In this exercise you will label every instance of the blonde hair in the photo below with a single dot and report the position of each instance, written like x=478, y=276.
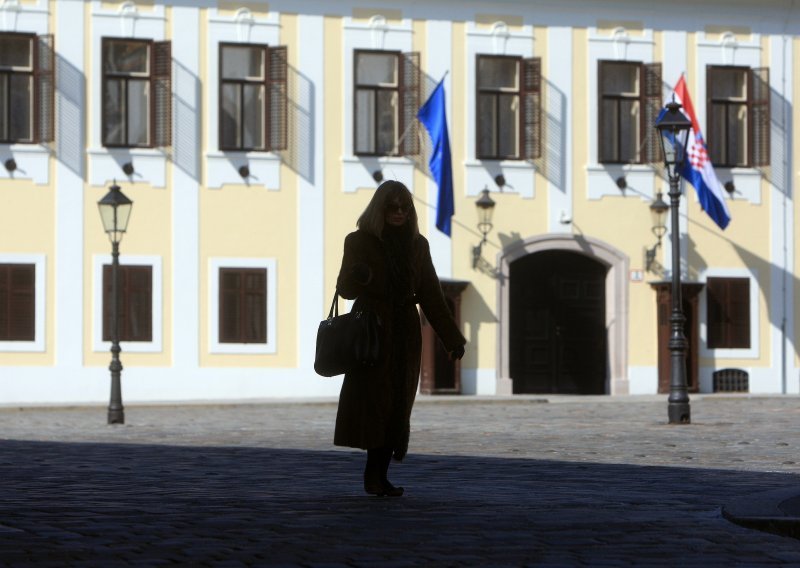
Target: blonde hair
x=372, y=219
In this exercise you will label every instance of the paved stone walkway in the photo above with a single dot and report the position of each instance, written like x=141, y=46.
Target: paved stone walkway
x=596, y=481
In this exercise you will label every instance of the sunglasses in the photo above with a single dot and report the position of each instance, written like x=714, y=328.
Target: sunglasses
x=403, y=208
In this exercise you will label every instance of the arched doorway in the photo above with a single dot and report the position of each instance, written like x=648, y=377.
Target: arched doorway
x=615, y=306
x=557, y=324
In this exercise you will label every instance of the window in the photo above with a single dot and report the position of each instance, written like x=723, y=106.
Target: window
x=253, y=97
x=137, y=93
x=27, y=88
x=508, y=108
x=386, y=101
x=738, y=116
x=728, y=314
x=17, y=302
x=135, y=303
x=630, y=100
x=242, y=305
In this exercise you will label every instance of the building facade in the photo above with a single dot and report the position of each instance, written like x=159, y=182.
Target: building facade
x=250, y=136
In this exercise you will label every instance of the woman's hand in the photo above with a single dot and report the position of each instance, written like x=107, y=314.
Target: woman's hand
x=457, y=353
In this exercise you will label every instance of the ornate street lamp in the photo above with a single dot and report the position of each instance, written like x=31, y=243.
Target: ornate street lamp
x=674, y=128
x=485, y=205
x=115, y=210
x=658, y=214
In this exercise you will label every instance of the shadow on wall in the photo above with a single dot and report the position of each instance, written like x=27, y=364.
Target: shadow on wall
x=301, y=120
x=70, y=143
x=186, y=143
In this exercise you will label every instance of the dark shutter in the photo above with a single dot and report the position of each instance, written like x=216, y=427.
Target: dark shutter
x=44, y=89
x=278, y=97
x=242, y=305
x=759, y=113
x=135, y=303
x=728, y=313
x=410, y=101
x=17, y=302
x=162, y=93
x=605, y=151
x=652, y=101
x=531, y=112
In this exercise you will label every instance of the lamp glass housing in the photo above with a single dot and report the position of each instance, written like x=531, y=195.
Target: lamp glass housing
x=658, y=215
x=673, y=126
x=115, y=211
x=485, y=205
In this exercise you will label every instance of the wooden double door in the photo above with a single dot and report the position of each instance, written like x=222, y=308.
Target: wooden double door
x=558, y=339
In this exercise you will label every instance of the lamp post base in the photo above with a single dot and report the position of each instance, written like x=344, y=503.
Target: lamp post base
x=116, y=416
x=679, y=413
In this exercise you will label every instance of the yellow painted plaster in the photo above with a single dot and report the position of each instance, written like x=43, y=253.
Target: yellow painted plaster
x=365, y=14
x=485, y=21
x=148, y=5
x=715, y=33
x=30, y=233
x=607, y=27
x=230, y=7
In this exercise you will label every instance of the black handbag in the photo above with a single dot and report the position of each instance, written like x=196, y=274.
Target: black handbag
x=347, y=342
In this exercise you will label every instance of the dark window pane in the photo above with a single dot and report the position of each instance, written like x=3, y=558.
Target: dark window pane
x=114, y=112
x=387, y=121
x=17, y=302
x=138, y=112
x=16, y=52
x=135, y=303
x=253, y=116
x=126, y=57
x=508, y=125
x=487, y=131
x=229, y=115
x=21, y=123
x=242, y=62
x=728, y=313
x=242, y=305
x=376, y=69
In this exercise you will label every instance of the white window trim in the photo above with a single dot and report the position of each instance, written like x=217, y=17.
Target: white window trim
x=754, y=352
x=727, y=50
x=104, y=163
x=380, y=34
x=38, y=344
x=617, y=46
x=154, y=346
x=214, y=345
x=243, y=27
x=497, y=40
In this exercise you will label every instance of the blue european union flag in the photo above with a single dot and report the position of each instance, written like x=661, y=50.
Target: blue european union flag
x=432, y=115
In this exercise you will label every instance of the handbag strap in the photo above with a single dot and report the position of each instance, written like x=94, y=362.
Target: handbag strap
x=334, y=306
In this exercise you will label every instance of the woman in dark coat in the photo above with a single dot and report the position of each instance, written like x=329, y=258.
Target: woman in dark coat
x=387, y=268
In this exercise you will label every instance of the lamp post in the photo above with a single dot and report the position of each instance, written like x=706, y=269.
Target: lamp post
x=485, y=205
x=674, y=129
x=115, y=210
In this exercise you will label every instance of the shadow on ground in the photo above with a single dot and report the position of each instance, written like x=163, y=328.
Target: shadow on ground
x=78, y=503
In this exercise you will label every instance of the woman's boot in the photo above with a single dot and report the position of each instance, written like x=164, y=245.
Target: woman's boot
x=385, y=459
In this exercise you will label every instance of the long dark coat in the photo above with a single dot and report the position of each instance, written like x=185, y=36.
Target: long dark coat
x=374, y=410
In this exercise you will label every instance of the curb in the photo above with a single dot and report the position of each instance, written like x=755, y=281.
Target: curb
x=776, y=511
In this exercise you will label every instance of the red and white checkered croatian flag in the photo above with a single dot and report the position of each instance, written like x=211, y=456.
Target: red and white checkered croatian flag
x=697, y=168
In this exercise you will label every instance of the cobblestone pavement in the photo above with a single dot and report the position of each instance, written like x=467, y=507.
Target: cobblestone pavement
x=598, y=481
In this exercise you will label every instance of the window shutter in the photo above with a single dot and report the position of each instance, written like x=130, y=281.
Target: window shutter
x=739, y=313
x=139, y=303
x=759, y=112
x=17, y=302
x=605, y=152
x=278, y=97
x=242, y=305
x=652, y=102
x=255, y=306
x=531, y=112
x=410, y=95
x=135, y=303
x=162, y=93
x=44, y=89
